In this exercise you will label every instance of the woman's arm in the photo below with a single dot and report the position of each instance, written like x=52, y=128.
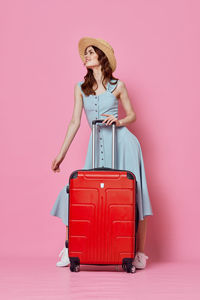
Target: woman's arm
x=126, y=103
x=122, y=94
x=74, y=123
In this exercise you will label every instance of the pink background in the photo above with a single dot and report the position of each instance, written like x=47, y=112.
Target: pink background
x=157, y=49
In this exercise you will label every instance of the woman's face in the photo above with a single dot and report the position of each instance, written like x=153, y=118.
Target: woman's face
x=91, y=58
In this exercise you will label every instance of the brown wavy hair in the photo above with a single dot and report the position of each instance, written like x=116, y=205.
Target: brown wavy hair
x=106, y=70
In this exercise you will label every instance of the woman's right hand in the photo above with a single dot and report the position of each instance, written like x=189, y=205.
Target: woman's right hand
x=56, y=163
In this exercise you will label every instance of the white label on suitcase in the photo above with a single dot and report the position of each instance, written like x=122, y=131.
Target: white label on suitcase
x=102, y=185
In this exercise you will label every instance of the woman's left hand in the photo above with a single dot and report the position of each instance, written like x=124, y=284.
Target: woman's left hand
x=110, y=119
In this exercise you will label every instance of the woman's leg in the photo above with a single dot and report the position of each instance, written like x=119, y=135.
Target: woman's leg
x=141, y=235
x=66, y=240
x=66, y=233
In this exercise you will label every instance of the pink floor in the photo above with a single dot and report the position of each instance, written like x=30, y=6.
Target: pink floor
x=41, y=279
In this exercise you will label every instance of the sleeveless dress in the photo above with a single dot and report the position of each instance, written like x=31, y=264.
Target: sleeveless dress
x=127, y=148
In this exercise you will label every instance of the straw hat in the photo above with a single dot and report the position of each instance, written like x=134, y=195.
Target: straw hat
x=101, y=44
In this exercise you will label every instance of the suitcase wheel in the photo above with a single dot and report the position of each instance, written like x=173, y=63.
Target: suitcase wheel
x=74, y=264
x=128, y=266
x=74, y=268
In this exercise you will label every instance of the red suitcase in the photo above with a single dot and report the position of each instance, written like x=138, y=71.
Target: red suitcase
x=103, y=215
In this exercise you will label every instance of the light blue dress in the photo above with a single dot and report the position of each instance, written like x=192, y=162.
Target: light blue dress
x=128, y=151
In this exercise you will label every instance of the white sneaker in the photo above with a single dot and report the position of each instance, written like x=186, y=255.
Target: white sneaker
x=140, y=260
x=64, y=261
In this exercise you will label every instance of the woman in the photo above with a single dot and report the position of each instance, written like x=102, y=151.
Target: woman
x=99, y=95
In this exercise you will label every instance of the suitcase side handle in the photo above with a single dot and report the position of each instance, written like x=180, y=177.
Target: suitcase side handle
x=94, y=122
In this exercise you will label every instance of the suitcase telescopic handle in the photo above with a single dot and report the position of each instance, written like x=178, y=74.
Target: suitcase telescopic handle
x=94, y=122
